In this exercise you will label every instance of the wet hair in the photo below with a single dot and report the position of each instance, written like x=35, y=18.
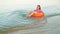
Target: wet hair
x=39, y=6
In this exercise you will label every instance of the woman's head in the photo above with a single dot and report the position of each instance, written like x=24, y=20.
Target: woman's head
x=38, y=7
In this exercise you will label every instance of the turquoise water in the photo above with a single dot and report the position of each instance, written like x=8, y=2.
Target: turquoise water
x=51, y=10
x=18, y=17
x=52, y=27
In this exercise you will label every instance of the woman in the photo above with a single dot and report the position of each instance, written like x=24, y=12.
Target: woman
x=38, y=13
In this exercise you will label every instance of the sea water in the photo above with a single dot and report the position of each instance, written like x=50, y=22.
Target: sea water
x=18, y=18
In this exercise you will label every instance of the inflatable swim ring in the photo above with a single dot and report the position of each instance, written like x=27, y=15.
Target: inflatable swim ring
x=38, y=15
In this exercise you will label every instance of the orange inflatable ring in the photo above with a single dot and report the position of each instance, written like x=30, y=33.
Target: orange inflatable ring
x=38, y=15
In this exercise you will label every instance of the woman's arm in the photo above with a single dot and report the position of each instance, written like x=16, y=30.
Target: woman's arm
x=30, y=13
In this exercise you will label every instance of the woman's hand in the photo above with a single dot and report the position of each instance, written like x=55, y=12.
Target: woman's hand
x=30, y=13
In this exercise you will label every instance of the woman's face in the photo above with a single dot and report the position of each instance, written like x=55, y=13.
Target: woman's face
x=38, y=7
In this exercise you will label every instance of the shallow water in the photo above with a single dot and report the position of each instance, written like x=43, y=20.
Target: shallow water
x=52, y=27
x=18, y=18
